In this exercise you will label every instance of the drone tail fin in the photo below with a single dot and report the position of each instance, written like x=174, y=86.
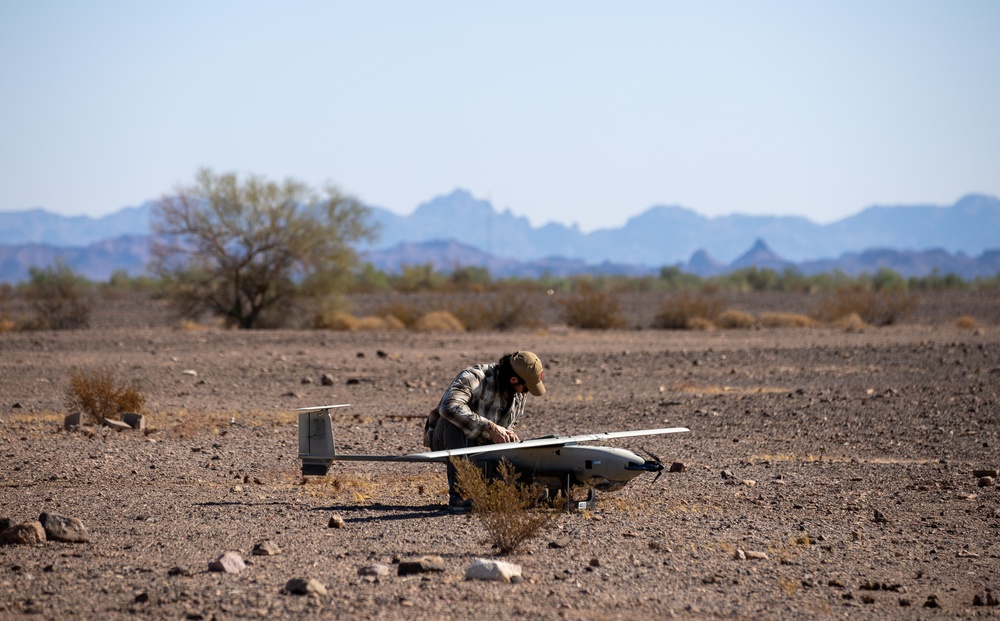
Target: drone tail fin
x=316, y=449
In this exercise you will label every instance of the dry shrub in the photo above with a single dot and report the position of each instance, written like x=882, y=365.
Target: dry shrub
x=850, y=323
x=501, y=312
x=96, y=395
x=734, y=319
x=7, y=325
x=786, y=320
x=438, y=321
x=589, y=309
x=408, y=314
x=677, y=312
x=967, y=322
x=503, y=505
x=878, y=308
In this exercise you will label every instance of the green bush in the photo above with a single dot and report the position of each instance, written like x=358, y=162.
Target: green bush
x=58, y=298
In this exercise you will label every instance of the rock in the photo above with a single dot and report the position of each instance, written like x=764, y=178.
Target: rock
x=986, y=473
x=336, y=521
x=932, y=602
x=485, y=569
x=753, y=555
x=230, y=563
x=5, y=523
x=595, y=562
x=377, y=570
x=61, y=528
x=72, y=421
x=728, y=475
x=740, y=555
x=178, y=571
x=879, y=517
x=421, y=565
x=134, y=420
x=985, y=599
x=326, y=379
x=382, y=354
x=677, y=467
x=116, y=424
x=305, y=586
x=190, y=372
x=27, y=534
x=559, y=543
x=306, y=380
x=266, y=548
x=749, y=482
x=986, y=481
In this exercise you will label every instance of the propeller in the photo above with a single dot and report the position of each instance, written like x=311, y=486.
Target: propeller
x=655, y=464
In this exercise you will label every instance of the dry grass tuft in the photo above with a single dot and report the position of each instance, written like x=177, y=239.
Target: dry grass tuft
x=502, y=312
x=786, y=320
x=700, y=323
x=438, y=321
x=96, y=395
x=967, y=322
x=407, y=314
x=679, y=311
x=374, y=323
x=850, y=323
x=734, y=319
x=339, y=320
x=502, y=506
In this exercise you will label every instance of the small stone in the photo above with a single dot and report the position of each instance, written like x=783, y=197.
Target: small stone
x=336, y=521
x=985, y=599
x=306, y=380
x=728, y=475
x=879, y=517
x=142, y=598
x=116, y=424
x=753, y=555
x=932, y=602
x=377, y=570
x=178, y=571
x=595, y=562
x=677, y=467
x=326, y=379
x=559, y=543
x=60, y=528
x=266, y=548
x=190, y=372
x=72, y=421
x=230, y=563
x=305, y=586
x=986, y=473
x=27, y=534
x=499, y=571
x=134, y=420
x=986, y=481
x=749, y=482
x=740, y=555
x=381, y=354
x=421, y=565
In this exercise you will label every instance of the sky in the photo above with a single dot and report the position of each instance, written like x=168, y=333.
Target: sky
x=582, y=113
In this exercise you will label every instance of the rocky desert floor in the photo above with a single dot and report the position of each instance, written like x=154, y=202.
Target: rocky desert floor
x=842, y=465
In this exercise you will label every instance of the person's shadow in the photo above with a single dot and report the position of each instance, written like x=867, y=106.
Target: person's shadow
x=377, y=512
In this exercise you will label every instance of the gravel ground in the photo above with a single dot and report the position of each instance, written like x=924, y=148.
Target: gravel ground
x=851, y=458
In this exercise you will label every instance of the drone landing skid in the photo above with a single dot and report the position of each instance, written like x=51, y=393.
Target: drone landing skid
x=588, y=504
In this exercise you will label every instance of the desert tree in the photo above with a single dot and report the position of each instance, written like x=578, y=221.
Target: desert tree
x=58, y=297
x=239, y=248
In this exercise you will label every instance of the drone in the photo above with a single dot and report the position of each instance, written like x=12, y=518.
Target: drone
x=556, y=462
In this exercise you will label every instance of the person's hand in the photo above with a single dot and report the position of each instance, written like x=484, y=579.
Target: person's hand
x=501, y=435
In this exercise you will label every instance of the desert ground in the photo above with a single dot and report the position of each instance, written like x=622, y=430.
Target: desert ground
x=840, y=463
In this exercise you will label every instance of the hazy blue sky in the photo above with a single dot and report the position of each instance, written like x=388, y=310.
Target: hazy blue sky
x=575, y=112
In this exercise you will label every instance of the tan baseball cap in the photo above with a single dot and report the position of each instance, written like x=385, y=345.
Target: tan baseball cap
x=529, y=368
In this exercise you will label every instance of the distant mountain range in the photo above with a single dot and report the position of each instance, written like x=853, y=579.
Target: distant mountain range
x=458, y=229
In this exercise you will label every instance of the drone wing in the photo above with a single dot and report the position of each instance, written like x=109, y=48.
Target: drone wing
x=545, y=441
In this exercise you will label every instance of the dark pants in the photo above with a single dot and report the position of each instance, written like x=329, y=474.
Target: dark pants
x=447, y=436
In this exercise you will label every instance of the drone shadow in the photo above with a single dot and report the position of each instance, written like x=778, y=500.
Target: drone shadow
x=378, y=512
